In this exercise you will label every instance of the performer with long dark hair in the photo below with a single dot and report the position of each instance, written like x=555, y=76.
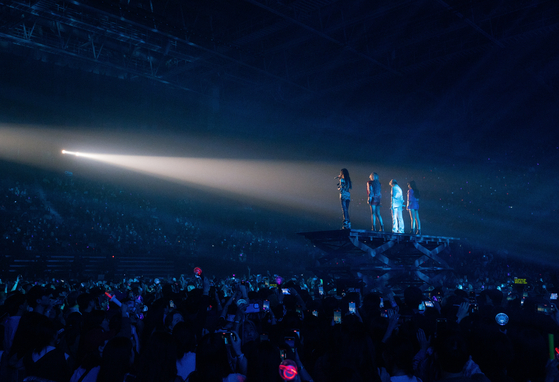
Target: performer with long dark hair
x=344, y=185
x=413, y=207
x=374, y=194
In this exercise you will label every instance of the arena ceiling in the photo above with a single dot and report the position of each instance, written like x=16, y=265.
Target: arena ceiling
x=292, y=50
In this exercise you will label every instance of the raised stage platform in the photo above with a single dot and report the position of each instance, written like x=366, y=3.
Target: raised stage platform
x=392, y=258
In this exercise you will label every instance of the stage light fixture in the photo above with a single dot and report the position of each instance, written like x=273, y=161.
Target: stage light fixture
x=71, y=153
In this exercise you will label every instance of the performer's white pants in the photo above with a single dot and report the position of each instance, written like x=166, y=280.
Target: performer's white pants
x=397, y=220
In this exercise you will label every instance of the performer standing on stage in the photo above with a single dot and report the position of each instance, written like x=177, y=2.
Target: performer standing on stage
x=397, y=205
x=413, y=207
x=344, y=186
x=374, y=195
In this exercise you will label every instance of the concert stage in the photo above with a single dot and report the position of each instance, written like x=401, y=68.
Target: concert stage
x=395, y=259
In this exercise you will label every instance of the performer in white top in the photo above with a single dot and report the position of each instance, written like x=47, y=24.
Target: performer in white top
x=397, y=206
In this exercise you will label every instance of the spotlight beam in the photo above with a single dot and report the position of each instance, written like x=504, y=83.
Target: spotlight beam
x=275, y=183
x=78, y=154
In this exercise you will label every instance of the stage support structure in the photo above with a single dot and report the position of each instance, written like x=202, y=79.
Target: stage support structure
x=394, y=259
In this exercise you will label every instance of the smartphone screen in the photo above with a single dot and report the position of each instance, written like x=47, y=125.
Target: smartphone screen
x=352, y=307
x=315, y=313
x=541, y=308
x=266, y=305
x=553, y=296
x=337, y=317
x=381, y=305
x=226, y=338
x=285, y=291
x=429, y=304
x=321, y=290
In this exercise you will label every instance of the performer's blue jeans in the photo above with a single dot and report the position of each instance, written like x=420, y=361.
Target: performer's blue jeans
x=345, y=210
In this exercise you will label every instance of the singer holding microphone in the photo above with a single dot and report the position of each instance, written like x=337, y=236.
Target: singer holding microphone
x=344, y=185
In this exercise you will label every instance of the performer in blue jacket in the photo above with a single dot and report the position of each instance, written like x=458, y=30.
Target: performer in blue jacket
x=373, y=199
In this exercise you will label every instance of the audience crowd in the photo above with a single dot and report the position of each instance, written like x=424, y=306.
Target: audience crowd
x=68, y=215
x=268, y=328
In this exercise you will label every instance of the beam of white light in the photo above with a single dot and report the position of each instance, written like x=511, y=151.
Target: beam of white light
x=280, y=185
x=305, y=189
x=78, y=154
x=299, y=185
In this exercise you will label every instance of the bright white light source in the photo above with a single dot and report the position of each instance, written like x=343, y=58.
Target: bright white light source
x=74, y=153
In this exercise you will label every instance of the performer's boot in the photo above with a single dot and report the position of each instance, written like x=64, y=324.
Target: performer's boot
x=418, y=232
x=382, y=228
